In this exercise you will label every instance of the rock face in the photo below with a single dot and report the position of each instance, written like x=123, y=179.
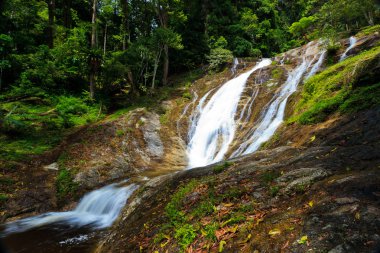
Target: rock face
x=321, y=198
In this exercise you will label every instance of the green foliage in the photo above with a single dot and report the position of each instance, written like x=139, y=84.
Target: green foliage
x=269, y=176
x=3, y=197
x=346, y=86
x=172, y=209
x=221, y=167
x=273, y=190
x=185, y=235
x=301, y=27
x=219, y=57
x=65, y=185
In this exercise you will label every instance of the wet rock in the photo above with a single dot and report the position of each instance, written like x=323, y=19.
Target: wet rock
x=301, y=178
x=346, y=200
x=151, y=128
x=89, y=178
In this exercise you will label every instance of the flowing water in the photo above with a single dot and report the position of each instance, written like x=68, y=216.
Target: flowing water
x=353, y=41
x=97, y=210
x=213, y=126
x=213, y=131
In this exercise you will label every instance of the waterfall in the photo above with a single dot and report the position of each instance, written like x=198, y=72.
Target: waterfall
x=213, y=125
x=353, y=41
x=274, y=112
x=235, y=65
x=99, y=209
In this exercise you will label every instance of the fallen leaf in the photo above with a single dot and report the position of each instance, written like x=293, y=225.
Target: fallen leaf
x=357, y=215
x=303, y=240
x=221, y=245
x=311, y=203
x=312, y=138
x=274, y=232
x=228, y=204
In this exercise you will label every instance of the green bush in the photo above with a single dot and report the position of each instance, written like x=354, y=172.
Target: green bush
x=219, y=57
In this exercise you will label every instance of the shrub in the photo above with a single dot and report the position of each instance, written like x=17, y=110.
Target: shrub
x=219, y=57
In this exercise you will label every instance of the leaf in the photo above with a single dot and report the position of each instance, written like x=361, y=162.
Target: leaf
x=303, y=240
x=221, y=245
x=357, y=215
x=228, y=204
x=274, y=232
x=311, y=203
x=233, y=229
x=312, y=138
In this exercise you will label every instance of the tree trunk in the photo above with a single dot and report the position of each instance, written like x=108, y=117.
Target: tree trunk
x=105, y=41
x=51, y=9
x=1, y=77
x=93, y=46
x=67, y=13
x=156, y=62
x=166, y=65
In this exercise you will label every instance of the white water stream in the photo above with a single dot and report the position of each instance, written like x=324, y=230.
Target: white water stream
x=353, y=41
x=213, y=129
x=213, y=125
x=99, y=209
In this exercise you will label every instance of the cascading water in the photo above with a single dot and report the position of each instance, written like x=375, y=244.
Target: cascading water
x=273, y=114
x=213, y=126
x=98, y=209
x=353, y=41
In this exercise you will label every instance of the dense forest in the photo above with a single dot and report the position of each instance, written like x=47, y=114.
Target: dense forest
x=108, y=48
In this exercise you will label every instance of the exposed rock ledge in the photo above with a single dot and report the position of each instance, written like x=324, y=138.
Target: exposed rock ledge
x=328, y=193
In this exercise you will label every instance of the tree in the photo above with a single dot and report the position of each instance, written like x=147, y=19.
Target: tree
x=163, y=38
x=5, y=46
x=94, y=60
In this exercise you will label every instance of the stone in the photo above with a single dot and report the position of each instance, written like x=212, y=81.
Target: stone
x=346, y=200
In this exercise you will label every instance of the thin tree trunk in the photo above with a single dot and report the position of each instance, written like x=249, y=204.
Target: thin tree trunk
x=156, y=62
x=93, y=46
x=105, y=40
x=166, y=65
x=51, y=9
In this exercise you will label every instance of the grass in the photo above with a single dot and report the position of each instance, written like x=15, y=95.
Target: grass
x=221, y=167
x=33, y=125
x=65, y=184
x=344, y=87
x=368, y=30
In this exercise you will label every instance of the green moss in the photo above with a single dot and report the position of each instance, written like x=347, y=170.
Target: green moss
x=277, y=73
x=221, y=167
x=187, y=95
x=173, y=208
x=273, y=190
x=65, y=184
x=3, y=197
x=120, y=132
x=368, y=30
x=269, y=176
x=338, y=89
